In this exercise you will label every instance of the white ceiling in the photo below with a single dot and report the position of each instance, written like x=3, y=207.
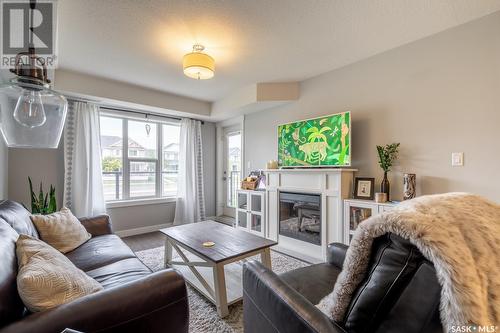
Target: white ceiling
x=143, y=41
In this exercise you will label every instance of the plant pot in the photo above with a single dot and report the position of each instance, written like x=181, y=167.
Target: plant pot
x=385, y=187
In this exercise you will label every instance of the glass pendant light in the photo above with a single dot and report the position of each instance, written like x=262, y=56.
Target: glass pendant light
x=31, y=114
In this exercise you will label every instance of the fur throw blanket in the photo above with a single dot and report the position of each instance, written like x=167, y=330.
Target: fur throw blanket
x=459, y=233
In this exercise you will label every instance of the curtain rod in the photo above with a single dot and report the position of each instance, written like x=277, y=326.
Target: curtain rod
x=140, y=112
x=130, y=111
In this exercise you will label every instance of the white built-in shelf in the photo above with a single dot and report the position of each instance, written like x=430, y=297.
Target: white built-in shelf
x=372, y=202
x=356, y=211
x=250, y=211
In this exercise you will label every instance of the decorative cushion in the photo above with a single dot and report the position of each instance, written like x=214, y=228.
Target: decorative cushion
x=46, y=278
x=61, y=230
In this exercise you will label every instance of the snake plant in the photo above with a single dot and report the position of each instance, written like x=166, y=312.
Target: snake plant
x=43, y=203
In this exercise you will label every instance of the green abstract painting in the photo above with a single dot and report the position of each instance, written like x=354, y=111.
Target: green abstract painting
x=322, y=141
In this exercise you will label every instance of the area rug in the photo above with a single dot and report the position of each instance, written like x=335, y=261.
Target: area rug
x=202, y=313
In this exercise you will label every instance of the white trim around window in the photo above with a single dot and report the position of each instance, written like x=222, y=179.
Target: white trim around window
x=139, y=202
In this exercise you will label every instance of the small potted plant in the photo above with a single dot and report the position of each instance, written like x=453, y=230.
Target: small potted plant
x=44, y=203
x=387, y=155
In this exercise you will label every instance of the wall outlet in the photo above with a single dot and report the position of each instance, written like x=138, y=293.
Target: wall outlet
x=457, y=159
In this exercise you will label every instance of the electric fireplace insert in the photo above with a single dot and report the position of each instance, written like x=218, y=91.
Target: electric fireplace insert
x=300, y=216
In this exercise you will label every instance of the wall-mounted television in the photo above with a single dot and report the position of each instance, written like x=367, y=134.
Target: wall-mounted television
x=318, y=142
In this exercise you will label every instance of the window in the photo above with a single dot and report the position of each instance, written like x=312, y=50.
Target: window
x=149, y=167
x=170, y=158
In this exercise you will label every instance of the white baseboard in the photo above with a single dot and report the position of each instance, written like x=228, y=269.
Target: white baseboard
x=142, y=230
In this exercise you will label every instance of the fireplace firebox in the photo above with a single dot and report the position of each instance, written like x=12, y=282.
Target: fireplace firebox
x=300, y=216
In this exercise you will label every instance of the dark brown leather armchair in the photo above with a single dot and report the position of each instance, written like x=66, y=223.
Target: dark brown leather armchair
x=399, y=294
x=133, y=300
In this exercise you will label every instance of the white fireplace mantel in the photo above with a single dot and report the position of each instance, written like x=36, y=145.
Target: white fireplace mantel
x=334, y=185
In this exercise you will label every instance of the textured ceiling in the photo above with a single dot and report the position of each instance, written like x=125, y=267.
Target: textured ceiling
x=143, y=41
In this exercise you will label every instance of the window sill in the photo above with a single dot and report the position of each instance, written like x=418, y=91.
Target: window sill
x=139, y=202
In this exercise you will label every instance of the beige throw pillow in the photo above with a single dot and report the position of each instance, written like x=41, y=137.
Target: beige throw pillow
x=61, y=230
x=46, y=278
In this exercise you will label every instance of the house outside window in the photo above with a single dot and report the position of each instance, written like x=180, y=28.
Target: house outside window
x=149, y=166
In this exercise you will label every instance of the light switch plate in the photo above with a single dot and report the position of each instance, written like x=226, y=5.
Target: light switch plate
x=457, y=159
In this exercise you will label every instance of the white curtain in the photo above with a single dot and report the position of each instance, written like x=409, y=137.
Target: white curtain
x=83, y=189
x=190, y=205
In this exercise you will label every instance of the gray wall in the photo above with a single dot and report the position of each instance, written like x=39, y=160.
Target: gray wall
x=47, y=165
x=435, y=96
x=209, y=165
x=42, y=165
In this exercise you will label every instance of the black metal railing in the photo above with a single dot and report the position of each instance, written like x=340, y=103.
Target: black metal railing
x=114, y=179
x=234, y=184
x=117, y=175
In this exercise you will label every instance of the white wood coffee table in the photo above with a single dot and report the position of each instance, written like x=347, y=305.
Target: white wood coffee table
x=214, y=271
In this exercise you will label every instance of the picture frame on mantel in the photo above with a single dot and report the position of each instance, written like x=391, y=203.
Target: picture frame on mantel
x=364, y=188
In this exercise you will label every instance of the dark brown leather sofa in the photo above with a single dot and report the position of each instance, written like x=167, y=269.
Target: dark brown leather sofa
x=133, y=300
x=399, y=294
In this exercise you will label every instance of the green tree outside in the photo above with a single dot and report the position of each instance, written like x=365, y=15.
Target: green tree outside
x=110, y=164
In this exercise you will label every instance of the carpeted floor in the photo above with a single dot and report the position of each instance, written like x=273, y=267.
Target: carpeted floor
x=202, y=313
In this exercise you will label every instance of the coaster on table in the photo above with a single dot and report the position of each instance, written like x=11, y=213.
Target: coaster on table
x=208, y=244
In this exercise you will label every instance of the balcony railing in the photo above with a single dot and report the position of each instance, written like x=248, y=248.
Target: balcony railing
x=233, y=185
x=139, y=186
x=110, y=177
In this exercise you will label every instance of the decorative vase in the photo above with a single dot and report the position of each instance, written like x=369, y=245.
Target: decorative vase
x=385, y=187
x=409, y=185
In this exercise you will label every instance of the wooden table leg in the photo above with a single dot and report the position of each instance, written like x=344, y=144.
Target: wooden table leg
x=265, y=257
x=168, y=253
x=220, y=290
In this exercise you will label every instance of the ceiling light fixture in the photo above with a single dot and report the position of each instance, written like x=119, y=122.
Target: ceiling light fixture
x=38, y=115
x=198, y=65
